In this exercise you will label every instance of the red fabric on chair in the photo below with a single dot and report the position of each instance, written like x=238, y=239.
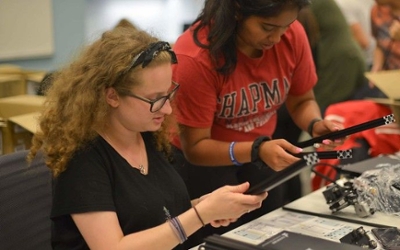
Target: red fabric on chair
x=382, y=140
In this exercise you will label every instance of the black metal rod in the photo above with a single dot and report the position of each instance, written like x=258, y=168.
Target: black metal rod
x=336, y=154
x=348, y=131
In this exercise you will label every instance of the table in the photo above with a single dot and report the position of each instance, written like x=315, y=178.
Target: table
x=272, y=223
x=310, y=215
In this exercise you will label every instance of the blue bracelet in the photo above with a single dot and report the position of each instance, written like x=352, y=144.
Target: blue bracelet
x=178, y=226
x=232, y=156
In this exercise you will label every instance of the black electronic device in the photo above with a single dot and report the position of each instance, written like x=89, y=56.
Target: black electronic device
x=283, y=175
x=290, y=240
x=359, y=237
x=307, y=159
x=389, y=237
x=281, y=241
x=218, y=242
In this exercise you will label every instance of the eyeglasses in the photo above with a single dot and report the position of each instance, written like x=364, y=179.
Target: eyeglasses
x=158, y=103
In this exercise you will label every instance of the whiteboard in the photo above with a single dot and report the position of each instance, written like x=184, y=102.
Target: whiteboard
x=26, y=29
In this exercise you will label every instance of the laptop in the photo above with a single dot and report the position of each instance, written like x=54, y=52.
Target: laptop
x=356, y=169
x=289, y=240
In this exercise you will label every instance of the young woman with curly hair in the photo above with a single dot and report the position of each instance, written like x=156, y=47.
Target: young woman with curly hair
x=104, y=134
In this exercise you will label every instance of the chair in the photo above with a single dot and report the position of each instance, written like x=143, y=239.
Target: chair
x=25, y=203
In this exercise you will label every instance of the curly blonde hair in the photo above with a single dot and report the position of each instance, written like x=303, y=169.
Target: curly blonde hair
x=75, y=107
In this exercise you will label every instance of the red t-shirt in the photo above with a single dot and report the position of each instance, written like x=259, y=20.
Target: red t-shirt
x=243, y=106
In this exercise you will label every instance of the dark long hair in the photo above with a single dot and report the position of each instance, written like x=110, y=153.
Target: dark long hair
x=221, y=17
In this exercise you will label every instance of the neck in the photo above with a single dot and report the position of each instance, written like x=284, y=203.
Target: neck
x=132, y=150
x=247, y=50
x=123, y=144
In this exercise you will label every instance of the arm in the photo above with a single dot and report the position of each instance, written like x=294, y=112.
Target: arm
x=101, y=230
x=379, y=59
x=200, y=149
x=303, y=109
x=377, y=63
x=359, y=35
x=394, y=30
x=379, y=56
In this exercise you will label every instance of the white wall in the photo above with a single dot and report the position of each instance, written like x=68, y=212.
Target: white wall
x=26, y=29
x=77, y=22
x=68, y=34
x=162, y=18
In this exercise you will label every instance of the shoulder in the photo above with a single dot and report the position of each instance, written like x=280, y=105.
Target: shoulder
x=186, y=48
x=185, y=43
x=94, y=156
x=295, y=35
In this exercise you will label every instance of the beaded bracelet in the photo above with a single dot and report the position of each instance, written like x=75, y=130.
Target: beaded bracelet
x=232, y=156
x=198, y=216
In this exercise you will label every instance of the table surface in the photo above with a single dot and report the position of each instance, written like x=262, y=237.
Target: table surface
x=310, y=215
x=264, y=227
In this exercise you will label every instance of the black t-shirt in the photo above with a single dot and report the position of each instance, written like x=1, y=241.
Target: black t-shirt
x=97, y=178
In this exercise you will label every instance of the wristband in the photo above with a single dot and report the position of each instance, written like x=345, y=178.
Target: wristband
x=311, y=125
x=178, y=229
x=232, y=156
x=255, y=150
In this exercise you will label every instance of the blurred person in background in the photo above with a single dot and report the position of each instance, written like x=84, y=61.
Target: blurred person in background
x=385, y=21
x=358, y=17
x=338, y=58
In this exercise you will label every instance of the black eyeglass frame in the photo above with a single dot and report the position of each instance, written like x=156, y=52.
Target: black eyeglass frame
x=152, y=102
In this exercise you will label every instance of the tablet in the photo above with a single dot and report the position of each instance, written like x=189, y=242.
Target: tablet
x=284, y=175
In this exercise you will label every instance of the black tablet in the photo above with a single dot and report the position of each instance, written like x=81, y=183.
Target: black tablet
x=284, y=175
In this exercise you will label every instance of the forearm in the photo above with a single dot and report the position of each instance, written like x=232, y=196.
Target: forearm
x=209, y=152
x=304, y=112
x=378, y=60
x=163, y=236
x=359, y=35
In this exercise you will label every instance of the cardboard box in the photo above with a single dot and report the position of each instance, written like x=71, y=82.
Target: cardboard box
x=11, y=85
x=389, y=83
x=18, y=116
x=14, y=69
